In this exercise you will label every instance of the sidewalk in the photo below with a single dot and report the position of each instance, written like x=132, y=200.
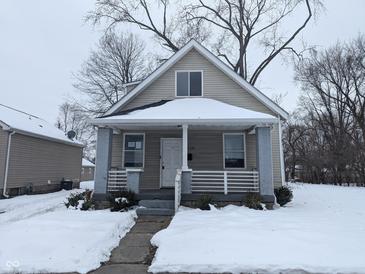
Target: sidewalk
x=135, y=253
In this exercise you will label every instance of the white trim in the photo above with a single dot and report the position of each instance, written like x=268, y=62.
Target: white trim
x=188, y=71
x=217, y=62
x=282, y=164
x=244, y=150
x=185, y=147
x=174, y=122
x=144, y=148
x=7, y=164
x=161, y=156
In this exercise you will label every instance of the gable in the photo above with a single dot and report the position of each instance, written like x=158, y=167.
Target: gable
x=213, y=60
x=216, y=85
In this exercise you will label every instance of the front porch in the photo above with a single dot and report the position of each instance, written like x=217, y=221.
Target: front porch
x=181, y=158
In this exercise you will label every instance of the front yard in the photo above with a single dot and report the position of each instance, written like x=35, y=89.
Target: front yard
x=38, y=234
x=322, y=230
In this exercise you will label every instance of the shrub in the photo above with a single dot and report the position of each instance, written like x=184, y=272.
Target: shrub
x=122, y=200
x=83, y=198
x=253, y=200
x=283, y=195
x=74, y=199
x=204, y=202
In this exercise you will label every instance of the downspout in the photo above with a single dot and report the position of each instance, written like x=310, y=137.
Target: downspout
x=7, y=165
x=281, y=154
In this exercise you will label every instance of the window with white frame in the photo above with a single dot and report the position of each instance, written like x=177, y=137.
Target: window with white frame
x=133, y=150
x=234, y=150
x=189, y=83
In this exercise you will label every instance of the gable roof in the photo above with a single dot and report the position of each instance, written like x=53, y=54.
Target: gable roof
x=28, y=124
x=213, y=59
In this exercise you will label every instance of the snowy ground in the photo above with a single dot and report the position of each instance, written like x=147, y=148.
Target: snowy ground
x=322, y=230
x=38, y=234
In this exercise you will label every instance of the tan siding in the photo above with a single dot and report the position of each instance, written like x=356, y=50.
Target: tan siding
x=35, y=161
x=117, y=146
x=3, y=149
x=216, y=85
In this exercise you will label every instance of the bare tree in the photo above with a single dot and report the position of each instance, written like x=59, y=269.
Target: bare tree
x=119, y=59
x=247, y=23
x=168, y=27
x=334, y=100
x=237, y=25
x=72, y=117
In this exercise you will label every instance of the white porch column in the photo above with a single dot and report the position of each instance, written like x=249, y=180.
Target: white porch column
x=185, y=148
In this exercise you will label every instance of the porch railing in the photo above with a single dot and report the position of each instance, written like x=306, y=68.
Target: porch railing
x=225, y=181
x=117, y=180
x=177, y=189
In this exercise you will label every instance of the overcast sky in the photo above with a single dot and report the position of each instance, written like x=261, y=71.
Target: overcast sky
x=42, y=42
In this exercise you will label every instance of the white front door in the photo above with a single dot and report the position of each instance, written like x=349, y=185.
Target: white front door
x=171, y=160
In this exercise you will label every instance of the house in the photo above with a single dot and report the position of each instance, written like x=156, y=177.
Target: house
x=192, y=127
x=87, y=170
x=35, y=156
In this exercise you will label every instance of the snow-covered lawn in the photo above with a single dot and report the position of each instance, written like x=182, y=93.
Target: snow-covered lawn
x=38, y=234
x=322, y=230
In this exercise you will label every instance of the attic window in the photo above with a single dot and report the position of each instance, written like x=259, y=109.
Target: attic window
x=189, y=83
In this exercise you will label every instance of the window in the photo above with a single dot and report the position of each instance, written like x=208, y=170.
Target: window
x=234, y=150
x=189, y=83
x=133, y=150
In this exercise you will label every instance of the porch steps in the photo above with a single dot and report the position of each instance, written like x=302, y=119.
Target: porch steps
x=156, y=207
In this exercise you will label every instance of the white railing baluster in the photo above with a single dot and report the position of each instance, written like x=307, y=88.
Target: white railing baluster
x=225, y=181
x=117, y=180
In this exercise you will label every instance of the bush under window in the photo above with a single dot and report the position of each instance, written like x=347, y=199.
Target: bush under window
x=283, y=195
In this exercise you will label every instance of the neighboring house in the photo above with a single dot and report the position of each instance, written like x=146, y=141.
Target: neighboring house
x=35, y=156
x=87, y=170
x=194, y=117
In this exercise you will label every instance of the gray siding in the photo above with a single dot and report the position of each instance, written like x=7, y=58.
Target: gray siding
x=216, y=85
x=3, y=150
x=206, y=148
x=37, y=161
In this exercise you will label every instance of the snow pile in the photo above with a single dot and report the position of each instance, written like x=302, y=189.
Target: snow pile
x=322, y=230
x=18, y=120
x=198, y=108
x=55, y=239
x=87, y=185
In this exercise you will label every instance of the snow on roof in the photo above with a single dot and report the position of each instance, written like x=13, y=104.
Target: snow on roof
x=190, y=109
x=26, y=123
x=87, y=163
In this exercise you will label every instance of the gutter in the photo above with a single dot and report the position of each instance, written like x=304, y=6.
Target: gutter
x=7, y=165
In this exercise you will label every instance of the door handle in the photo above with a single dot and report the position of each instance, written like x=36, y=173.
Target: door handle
x=163, y=167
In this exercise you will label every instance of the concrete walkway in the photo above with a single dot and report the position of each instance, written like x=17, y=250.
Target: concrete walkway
x=135, y=253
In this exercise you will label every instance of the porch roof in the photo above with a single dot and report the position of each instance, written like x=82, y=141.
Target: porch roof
x=188, y=111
